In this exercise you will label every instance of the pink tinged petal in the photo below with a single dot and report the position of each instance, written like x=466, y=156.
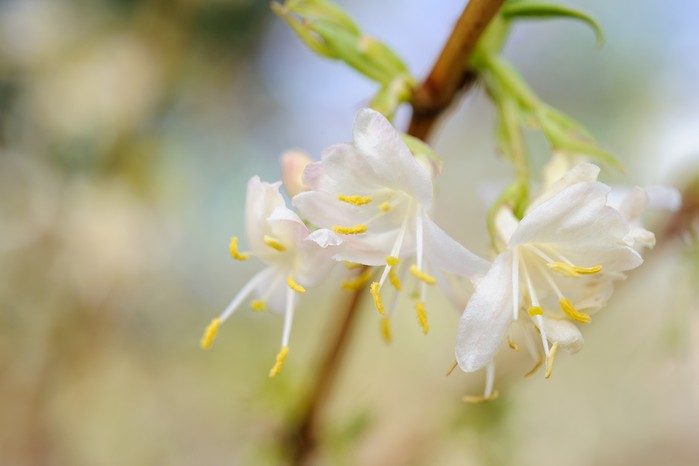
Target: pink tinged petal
x=564, y=332
x=287, y=227
x=323, y=210
x=444, y=253
x=371, y=250
x=315, y=257
x=293, y=164
x=487, y=316
x=382, y=147
x=581, y=173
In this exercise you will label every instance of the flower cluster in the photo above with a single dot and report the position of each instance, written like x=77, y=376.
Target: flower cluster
x=367, y=203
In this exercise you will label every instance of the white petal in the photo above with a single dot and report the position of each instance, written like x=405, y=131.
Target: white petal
x=390, y=158
x=565, y=333
x=582, y=173
x=487, y=316
x=262, y=198
x=663, y=198
x=444, y=253
x=578, y=215
x=505, y=224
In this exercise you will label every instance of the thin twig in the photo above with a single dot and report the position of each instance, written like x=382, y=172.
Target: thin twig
x=450, y=74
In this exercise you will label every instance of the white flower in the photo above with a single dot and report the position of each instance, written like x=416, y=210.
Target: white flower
x=559, y=264
x=375, y=194
x=295, y=258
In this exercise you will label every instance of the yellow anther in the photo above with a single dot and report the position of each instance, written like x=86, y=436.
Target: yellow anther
x=374, y=290
x=279, y=363
x=395, y=281
x=453, y=366
x=549, y=360
x=480, y=399
x=535, y=311
x=422, y=317
x=385, y=206
x=358, y=281
x=512, y=344
x=386, y=330
x=354, y=200
x=295, y=286
x=210, y=334
x=273, y=243
x=233, y=247
x=420, y=275
x=536, y=367
x=355, y=230
x=351, y=265
x=258, y=305
x=573, y=270
x=573, y=313
x=392, y=260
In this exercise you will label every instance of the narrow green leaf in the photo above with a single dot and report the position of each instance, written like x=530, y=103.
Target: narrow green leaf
x=543, y=10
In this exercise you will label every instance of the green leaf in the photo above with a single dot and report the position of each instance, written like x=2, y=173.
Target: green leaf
x=542, y=10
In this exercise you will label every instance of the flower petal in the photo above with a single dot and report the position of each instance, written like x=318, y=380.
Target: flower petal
x=565, y=333
x=487, y=316
x=581, y=173
x=444, y=253
x=261, y=200
x=383, y=148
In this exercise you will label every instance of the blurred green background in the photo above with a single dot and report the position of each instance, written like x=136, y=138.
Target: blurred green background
x=128, y=130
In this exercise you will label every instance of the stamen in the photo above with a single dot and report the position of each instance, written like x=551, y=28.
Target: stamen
x=210, y=334
x=358, y=281
x=549, y=360
x=385, y=206
x=512, y=344
x=374, y=290
x=351, y=265
x=395, y=281
x=355, y=230
x=573, y=313
x=392, y=260
x=295, y=286
x=233, y=248
x=386, y=330
x=420, y=275
x=279, y=363
x=422, y=317
x=480, y=399
x=536, y=367
x=573, y=270
x=273, y=243
x=258, y=305
x=452, y=367
x=354, y=200
x=535, y=311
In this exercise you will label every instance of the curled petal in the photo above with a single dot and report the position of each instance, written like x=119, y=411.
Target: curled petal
x=565, y=333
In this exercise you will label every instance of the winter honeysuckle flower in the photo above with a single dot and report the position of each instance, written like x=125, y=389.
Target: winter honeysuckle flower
x=557, y=265
x=295, y=259
x=293, y=163
x=375, y=195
